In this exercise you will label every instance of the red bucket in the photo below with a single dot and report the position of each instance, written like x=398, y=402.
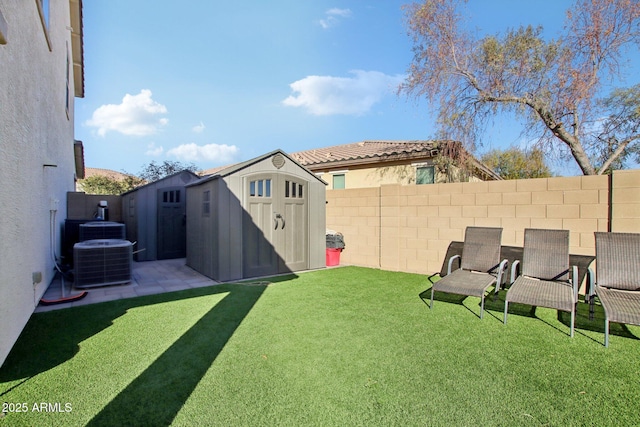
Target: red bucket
x=333, y=256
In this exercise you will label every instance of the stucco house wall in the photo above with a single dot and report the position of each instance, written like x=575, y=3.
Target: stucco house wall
x=375, y=176
x=374, y=163
x=37, y=164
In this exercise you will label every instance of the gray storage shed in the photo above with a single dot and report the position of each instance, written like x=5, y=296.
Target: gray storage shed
x=154, y=215
x=260, y=217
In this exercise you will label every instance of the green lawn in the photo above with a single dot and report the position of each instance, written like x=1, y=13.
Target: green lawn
x=346, y=346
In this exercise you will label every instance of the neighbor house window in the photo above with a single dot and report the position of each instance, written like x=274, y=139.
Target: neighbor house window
x=206, y=203
x=425, y=175
x=338, y=181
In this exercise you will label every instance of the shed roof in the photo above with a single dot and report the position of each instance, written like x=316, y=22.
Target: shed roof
x=162, y=179
x=222, y=172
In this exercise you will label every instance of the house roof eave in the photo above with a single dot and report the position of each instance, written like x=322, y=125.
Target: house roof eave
x=77, y=47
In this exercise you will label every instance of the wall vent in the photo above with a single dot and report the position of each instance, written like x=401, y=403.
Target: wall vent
x=102, y=230
x=102, y=262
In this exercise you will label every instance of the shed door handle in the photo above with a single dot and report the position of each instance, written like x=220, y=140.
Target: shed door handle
x=275, y=221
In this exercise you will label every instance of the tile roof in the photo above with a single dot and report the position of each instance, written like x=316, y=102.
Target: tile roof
x=366, y=151
x=88, y=172
x=213, y=170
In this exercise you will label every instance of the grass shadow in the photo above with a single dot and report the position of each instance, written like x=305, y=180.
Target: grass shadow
x=159, y=392
x=425, y=296
x=156, y=396
x=595, y=323
x=583, y=322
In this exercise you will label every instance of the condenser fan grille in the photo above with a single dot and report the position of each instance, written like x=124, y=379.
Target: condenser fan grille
x=102, y=262
x=101, y=230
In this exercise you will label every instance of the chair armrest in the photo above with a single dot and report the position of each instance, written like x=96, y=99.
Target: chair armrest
x=514, y=268
x=453, y=258
x=574, y=281
x=591, y=283
x=502, y=268
x=432, y=276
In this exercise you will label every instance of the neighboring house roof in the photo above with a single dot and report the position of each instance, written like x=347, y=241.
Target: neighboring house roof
x=213, y=171
x=373, y=152
x=89, y=172
x=366, y=152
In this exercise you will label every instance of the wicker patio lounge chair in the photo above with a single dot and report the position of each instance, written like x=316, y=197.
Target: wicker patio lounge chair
x=618, y=278
x=546, y=279
x=480, y=266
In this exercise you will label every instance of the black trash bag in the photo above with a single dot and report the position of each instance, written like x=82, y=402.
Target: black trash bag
x=335, y=240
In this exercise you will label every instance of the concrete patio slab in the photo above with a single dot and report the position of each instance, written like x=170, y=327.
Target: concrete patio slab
x=149, y=277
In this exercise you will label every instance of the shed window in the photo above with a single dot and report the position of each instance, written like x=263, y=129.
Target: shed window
x=132, y=206
x=260, y=188
x=338, y=181
x=425, y=175
x=292, y=189
x=171, y=196
x=206, y=203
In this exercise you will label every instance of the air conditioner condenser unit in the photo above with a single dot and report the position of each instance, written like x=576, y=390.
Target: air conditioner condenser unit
x=102, y=262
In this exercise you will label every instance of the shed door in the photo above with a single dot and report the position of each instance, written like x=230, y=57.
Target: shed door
x=275, y=229
x=172, y=230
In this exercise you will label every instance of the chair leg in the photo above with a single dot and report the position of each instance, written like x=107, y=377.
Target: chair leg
x=481, y=306
x=431, y=304
x=506, y=307
x=606, y=332
x=573, y=320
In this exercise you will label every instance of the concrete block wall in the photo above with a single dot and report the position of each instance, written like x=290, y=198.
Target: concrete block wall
x=356, y=213
x=409, y=227
x=84, y=206
x=625, y=201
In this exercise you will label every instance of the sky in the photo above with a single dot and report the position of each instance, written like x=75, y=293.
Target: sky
x=215, y=83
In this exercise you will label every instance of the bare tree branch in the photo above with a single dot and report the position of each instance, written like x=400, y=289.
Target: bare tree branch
x=551, y=84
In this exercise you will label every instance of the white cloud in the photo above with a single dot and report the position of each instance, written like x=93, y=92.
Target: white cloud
x=137, y=115
x=332, y=17
x=326, y=95
x=198, y=128
x=211, y=152
x=154, y=151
